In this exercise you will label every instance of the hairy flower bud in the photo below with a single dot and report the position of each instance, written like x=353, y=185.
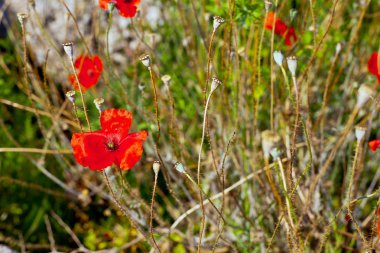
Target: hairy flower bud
x=292, y=64
x=364, y=94
x=179, y=167
x=215, y=84
x=267, y=5
x=217, y=22
x=278, y=57
x=166, y=79
x=145, y=59
x=21, y=16
x=69, y=50
x=71, y=96
x=99, y=104
x=156, y=167
x=360, y=132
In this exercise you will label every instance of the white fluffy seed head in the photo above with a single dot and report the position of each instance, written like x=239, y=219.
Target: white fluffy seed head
x=217, y=22
x=180, y=168
x=71, y=96
x=292, y=64
x=156, y=167
x=360, y=132
x=69, y=50
x=145, y=59
x=364, y=94
x=278, y=57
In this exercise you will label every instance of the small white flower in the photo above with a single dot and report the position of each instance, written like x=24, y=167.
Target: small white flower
x=292, y=65
x=278, y=57
x=179, y=167
x=68, y=47
x=215, y=84
x=156, y=167
x=145, y=59
x=360, y=132
x=364, y=94
x=99, y=104
x=217, y=22
x=71, y=96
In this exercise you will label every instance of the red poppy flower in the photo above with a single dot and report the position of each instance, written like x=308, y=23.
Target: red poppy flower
x=89, y=70
x=373, y=66
x=290, y=37
x=375, y=144
x=126, y=8
x=110, y=145
x=280, y=27
x=378, y=222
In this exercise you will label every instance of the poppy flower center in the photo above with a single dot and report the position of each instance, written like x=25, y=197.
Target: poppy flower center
x=111, y=146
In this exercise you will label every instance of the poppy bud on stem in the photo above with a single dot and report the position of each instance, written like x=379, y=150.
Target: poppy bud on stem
x=145, y=60
x=21, y=16
x=71, y=96
x=217, y=22
x=99, y=104
x=156, y=167
x=68, y=47
x=364, y=94
x=267, y=5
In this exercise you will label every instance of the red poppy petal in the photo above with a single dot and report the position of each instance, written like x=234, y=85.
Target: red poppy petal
x=116, y=121
x=97, y=63
x=73, y=81
x=378, y=78
x=372, y=64
x=133, y=150
x=126, y=10
x=104, y=4
x=280, y=28
x=375, y=144
x=290, y=37
x=90, y=150
x=269, y=20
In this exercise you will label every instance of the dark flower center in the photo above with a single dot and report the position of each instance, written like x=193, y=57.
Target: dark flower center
x=111, y=146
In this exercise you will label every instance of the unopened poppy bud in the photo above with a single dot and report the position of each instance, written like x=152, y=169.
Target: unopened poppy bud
x=99, y=104
x=215, y=84
x=292, y=65
x=338, y=47
x=68, y=47
x=267, y=4
x=111, y=6
x=278, y=57
x=166, y=79
x=145, y=59
x=269, y=141
x=275, y=153
x=21, y=16
x=71, y=96
x=364, y=94
x=179, y=167
x=217, y=22
x=360, y=132
x=156, y=167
